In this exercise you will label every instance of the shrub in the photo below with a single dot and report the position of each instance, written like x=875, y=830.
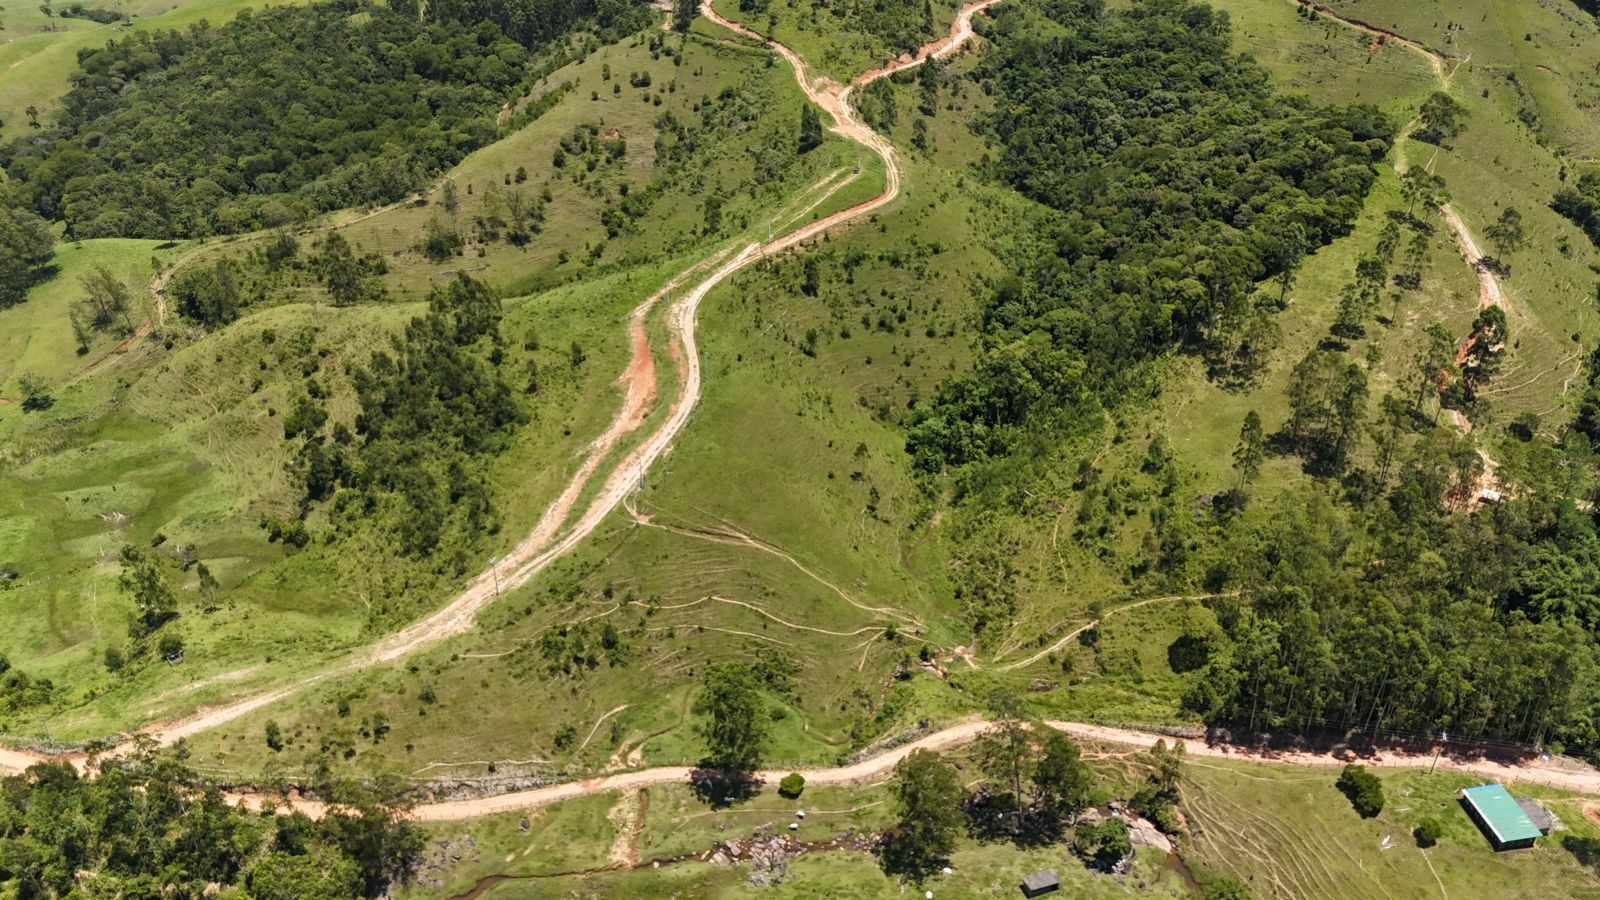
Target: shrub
x=1427, y=832
x=1363, y=788
x=274, y=737
x=791, y=785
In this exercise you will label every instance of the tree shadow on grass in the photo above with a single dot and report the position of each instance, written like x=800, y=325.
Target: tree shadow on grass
x=1585, y=850
x=896, y=857
x=719, y=789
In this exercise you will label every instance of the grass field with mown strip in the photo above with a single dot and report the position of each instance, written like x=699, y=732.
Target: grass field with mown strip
x=1289, y=832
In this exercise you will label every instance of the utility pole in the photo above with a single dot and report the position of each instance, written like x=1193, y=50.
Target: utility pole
x=494, y=566
x=1443, y=737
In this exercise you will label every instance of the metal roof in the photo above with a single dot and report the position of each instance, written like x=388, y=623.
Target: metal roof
x=1500, y=812
x=1044, y=879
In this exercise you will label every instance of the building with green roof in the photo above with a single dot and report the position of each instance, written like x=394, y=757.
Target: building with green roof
x=1503, y=820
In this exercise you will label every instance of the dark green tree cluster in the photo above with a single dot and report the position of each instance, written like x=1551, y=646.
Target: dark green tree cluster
x=1581, y=203
x=1441, y=118
x=1363, y=788
x=1396, y=613
x=408, y=472
x=286, y=112
x=26, y=246
x=535, y=23
x=1181, y=181
x=19, y=690
x=1034, y=784
x=431, y=409
x=734, y=719
x=145, y=827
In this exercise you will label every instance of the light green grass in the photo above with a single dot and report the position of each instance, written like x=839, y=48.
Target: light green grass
x=1256, y=822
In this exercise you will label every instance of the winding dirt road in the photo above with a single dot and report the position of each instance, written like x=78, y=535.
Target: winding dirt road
x=549, y=541
x=881, y=766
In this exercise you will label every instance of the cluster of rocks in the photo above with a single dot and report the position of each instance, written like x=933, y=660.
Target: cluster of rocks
x=769, y=854
x=489, y=786
x=440, y=857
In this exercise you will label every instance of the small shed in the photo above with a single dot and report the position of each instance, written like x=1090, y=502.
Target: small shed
x=1041, y=883
x=1499, y=816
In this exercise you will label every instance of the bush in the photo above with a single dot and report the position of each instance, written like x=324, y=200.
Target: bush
x=1363, y=788
x=1215, y=886
x=791, y=785
x=1105, y=845
x=274, y=737
x=170, y=645
x=1428, y=832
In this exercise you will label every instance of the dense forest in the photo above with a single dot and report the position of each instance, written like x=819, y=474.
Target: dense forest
x=1380, y=593
x=1180, y=180
x=145, y=827
x=533, y=23
x=286, y=113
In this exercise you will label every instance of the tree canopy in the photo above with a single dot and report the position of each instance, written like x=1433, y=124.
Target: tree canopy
x=26, y=246
x=286, y=112
x=734, y=719
x=1176, y=178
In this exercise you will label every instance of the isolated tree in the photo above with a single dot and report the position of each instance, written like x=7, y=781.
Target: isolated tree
x=1327, y=401
x=1485, y=349
x=1363, y=788
x=209, y=295
x=1251, y=450
x=26, y=246
x=1006, y=756
x=1441, y=119
x=1428, y=832
x=340, y=270
x=1418, y=185
x=1103, y=845
x=1433, y=361
x=109, y=298
x=927, y=796
x=144, y=581
x=1061, y=781
x=1166, y=773
x=449, y=199
x=208, y=582
x=1507, y=232
x=734, y=720
x=810, y=128
x=35, y=392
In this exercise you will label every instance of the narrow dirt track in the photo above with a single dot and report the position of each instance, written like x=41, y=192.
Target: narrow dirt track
x=882, y=766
